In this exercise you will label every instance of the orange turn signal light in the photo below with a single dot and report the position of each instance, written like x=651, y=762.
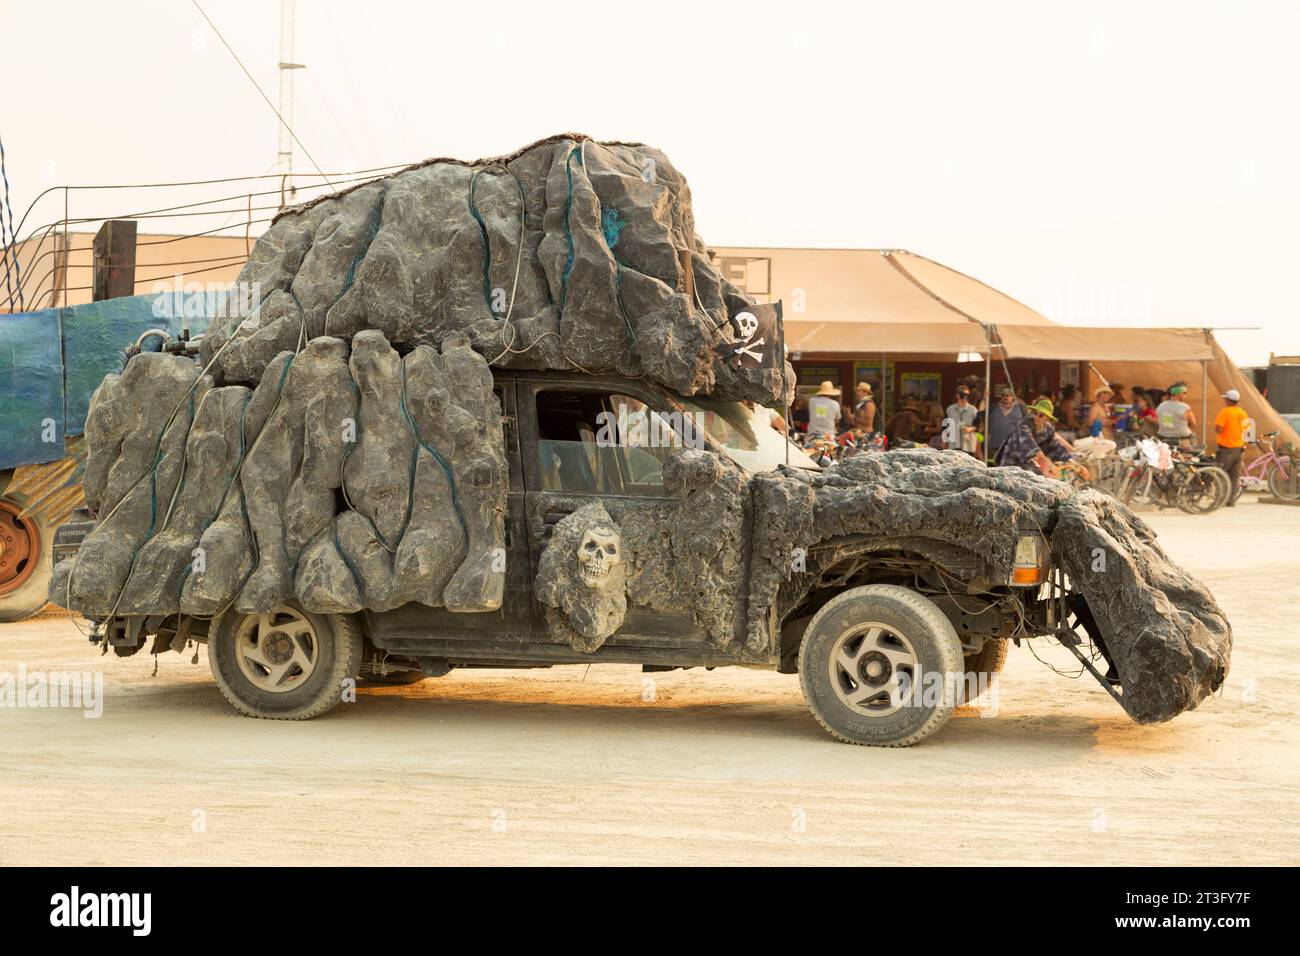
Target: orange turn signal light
x=1032, y=562
x=1034, y=575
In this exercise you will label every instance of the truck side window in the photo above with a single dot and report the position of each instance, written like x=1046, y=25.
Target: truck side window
x=645, y=441
x=602, y=443
x=569, y=457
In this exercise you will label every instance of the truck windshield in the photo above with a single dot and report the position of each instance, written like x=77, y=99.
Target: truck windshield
x=747, y=435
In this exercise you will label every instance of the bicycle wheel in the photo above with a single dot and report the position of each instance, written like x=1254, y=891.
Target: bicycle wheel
x=1135, y=489
x=1284, y=484
x=1204, y=490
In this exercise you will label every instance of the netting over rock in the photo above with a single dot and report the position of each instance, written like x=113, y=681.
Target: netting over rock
x=570, y=254
x=346, y=479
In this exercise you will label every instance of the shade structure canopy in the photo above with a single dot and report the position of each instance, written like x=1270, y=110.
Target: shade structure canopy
x=851, y=300
x=888, y=300
x=1104, y=344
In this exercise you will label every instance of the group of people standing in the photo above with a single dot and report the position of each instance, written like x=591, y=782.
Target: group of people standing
x=1149, y=411
x=1041, y=436
x=1036, y=443
x=826, y=416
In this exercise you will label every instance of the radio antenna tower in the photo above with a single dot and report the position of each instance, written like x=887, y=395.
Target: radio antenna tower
x=284, y=158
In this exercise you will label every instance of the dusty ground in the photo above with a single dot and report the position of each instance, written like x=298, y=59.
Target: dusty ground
x=571, y=766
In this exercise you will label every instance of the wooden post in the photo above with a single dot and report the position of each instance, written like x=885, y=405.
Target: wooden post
x=988, y=393
x=886, y=388
x=113, y=254
x=1205, y=398
x=688, y=269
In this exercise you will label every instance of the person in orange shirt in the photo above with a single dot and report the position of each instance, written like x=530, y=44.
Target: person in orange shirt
x=1231, y=426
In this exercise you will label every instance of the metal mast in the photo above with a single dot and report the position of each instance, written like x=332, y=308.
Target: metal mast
x=284, y=158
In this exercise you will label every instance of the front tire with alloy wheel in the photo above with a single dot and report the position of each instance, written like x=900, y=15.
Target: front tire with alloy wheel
x=879, y=665
x=286, y=664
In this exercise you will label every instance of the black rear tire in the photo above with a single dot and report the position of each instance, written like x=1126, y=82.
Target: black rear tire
x=1205, y=489
x=980, y=668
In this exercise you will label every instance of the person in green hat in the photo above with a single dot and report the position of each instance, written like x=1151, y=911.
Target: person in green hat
x=1176, y=417
x=1033, y=444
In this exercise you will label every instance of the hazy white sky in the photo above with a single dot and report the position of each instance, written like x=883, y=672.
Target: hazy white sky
x=1106, y=162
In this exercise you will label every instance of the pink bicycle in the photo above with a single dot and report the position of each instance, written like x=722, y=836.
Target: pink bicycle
x=1278, y=472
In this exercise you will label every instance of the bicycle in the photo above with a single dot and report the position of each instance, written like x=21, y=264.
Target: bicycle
x=1105, y=474
x=1190, y=483
x=1279, y=473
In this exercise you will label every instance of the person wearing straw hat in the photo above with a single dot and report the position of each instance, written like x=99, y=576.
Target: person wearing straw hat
x=1100, y=421
x=824, y=410
x=1033, y=444
x=864, y=409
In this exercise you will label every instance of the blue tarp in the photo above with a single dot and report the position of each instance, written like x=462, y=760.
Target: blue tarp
x=31, y=388
x=52, y=361
x=96, y=336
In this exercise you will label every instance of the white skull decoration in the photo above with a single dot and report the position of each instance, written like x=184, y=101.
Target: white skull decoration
x=599, y=552
x=746, y=325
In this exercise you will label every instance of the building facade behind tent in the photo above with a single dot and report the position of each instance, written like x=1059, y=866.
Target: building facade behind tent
x=1282, y=382
x=57, y=269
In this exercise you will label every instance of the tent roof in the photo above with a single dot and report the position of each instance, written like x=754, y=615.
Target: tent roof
x=856, y=300
x=1099, y=344
x=889, y=300
x=967, y=295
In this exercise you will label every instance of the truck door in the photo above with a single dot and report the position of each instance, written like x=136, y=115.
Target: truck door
x=511, y=621
x=569, y=462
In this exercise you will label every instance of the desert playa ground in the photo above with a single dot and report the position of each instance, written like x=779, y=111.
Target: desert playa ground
x=605, y=765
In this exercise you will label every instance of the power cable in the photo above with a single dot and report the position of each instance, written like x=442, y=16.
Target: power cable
x=282, y=120
x=9, y=250
x=22, y=280
x=377, y=170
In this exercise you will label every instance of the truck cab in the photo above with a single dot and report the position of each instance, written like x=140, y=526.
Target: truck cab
x=569, y=443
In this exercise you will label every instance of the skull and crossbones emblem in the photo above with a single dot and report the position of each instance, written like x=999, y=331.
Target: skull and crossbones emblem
x=599, y=552
x=746, y=328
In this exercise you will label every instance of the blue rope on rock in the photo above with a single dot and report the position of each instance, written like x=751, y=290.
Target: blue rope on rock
x=568, y=233
x=442, y=462
x=482, y=228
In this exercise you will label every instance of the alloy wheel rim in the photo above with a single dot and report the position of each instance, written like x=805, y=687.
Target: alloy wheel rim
x=873, y=669
x=278, y=651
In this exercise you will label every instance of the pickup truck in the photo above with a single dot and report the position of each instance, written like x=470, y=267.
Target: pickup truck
x=886, y=637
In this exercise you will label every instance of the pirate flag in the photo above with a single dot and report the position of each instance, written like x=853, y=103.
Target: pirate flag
x=760, y=338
